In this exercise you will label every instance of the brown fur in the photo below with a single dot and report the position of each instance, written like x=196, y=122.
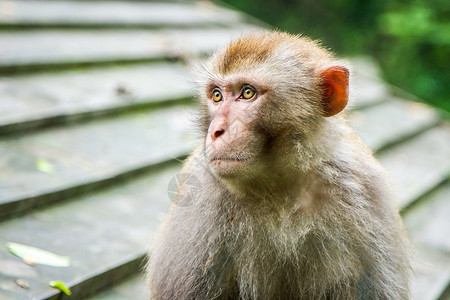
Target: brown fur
x=248, y=51
x=290, y=204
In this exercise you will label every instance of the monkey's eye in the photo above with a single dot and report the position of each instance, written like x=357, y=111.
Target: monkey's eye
x=248, y=92
x=216, y=95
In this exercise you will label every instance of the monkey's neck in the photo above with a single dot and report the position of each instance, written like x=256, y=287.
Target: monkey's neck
x=293, y=166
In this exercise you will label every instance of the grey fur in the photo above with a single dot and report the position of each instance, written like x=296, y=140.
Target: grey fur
x=316, y=218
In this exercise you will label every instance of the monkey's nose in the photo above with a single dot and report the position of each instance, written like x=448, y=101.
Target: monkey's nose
x=217, y=133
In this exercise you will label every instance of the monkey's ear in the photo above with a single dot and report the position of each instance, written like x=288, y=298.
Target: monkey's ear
x=335, y=89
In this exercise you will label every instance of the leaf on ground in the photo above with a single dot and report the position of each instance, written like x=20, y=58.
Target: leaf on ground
x=45, y=166
x=32, y=255
x=57, y=284
x=23, y=284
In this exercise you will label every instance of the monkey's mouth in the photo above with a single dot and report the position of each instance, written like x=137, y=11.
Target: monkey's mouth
x=228, y=166
x=229, y=159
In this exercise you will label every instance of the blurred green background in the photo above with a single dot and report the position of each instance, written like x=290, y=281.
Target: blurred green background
x=410, y=39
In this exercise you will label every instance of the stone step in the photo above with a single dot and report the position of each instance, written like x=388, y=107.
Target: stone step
x=392, y=121
x=105, y=234
x=366, y=87
x=90, y=47
x=420, y=164
x=428, y=224
x=34, y=101
x=134, y=288
x=55, y=164
x=97, y=14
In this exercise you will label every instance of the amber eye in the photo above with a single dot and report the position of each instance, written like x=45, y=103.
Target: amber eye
x=216, y=95
x=248, y=92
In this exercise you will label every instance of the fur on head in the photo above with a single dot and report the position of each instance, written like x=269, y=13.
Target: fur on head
x=288, y=119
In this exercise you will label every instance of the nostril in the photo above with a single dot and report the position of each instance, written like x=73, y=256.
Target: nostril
x=218, y=133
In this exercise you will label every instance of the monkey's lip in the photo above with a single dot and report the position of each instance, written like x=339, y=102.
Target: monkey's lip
x=229, y=159
x=228, y=166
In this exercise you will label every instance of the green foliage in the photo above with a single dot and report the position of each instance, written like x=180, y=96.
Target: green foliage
x=410, y=39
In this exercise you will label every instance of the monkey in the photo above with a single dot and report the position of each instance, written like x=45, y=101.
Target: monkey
x=281, y=199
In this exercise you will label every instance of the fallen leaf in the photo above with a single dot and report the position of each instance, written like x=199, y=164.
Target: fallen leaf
x=28, y=261
x=57, y=284
x=45, y=166
x=32, y=255
x=22, y=283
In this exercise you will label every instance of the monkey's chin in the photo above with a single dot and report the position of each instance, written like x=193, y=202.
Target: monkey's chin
x=228, y=167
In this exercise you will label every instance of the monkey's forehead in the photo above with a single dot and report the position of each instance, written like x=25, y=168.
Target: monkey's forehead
x=270, y=48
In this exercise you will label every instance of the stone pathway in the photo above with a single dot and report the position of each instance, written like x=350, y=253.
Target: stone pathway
x=96, y=112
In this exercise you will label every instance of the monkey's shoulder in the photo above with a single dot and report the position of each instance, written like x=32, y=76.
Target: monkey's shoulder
x=352, y=158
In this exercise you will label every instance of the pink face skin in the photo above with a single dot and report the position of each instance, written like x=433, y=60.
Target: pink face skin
x=231, y=144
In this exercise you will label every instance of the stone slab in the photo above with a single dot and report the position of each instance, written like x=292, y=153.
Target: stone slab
x=36, y=48
x=134, y=288
x=105, y=235
x=36, y=100
x=366, y=87
x=431, y=276
x=114, y=13
x=419, y=164
x=392, y=121
x=428, y=225
x=41, y=166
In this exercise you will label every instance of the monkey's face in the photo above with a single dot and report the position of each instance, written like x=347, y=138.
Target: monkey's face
x=233, y=143
x=265, y=97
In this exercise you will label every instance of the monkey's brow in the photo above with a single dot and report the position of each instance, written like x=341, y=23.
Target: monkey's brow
x=237, y=83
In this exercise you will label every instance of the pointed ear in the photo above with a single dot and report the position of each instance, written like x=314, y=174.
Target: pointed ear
x=335, y=89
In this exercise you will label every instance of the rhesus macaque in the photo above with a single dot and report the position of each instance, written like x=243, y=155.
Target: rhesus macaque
x=289, y=203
